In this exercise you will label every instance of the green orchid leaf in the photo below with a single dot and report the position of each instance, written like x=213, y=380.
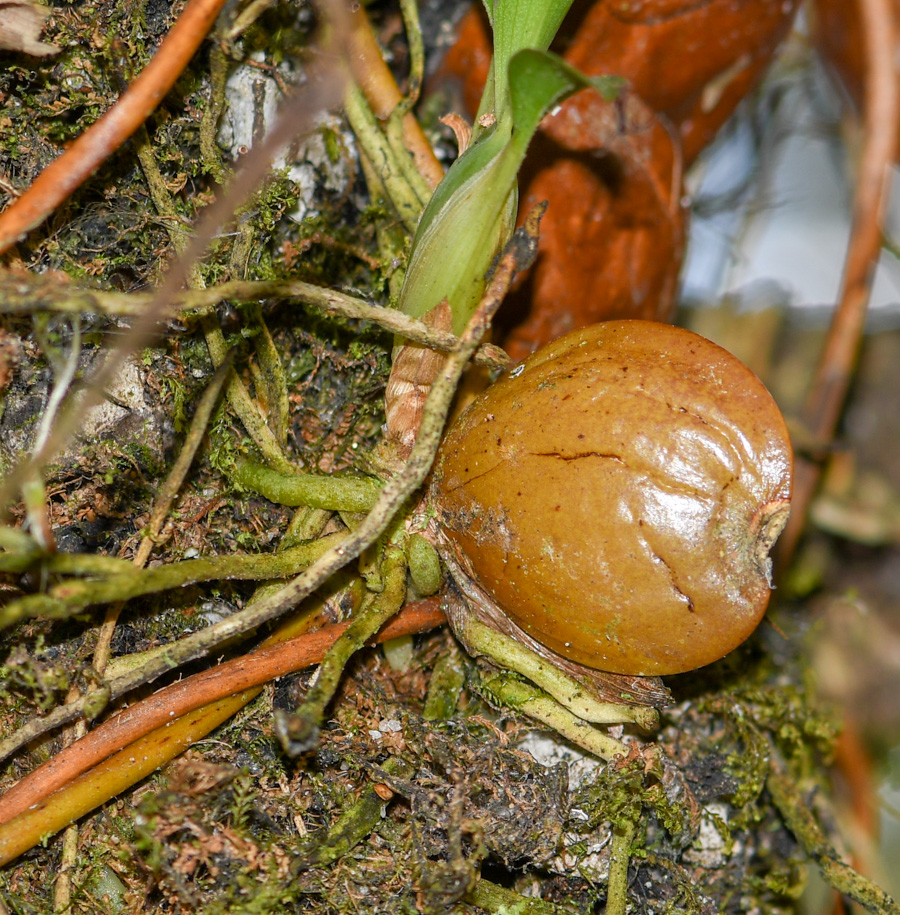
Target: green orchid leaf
x=539, y=80
x=517, y=25
x=468, y=219
x=471, y=215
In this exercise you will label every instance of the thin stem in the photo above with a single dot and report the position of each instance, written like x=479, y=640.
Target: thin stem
x=65, y=372
x=396, y=126
x=620, y=857
x=162, y=504
x=410, y=12
x=62, y=890
x=175, y=224
x=240, y=400
x=536, y=704
x=164, y=708
x=500, y=900
x=273, y=378
x=838, y=359
x=30, y=293
x=800, y=820
x=34, y=494
x=445, y=686
x=246, y=17
x=371, y=74
x=393, y=133
x=511, y=655
x=176, y=477
x=70, y=597
x=64, y=563
x=402, y=194
x=209, y=121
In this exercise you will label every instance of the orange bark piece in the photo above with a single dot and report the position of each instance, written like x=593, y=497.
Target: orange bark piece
x=612, y=238
x=611, y=241
x=837, y=32
x=691, y=61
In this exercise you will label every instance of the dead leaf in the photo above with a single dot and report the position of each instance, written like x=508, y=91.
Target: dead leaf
x=21, y=22
x=612, y=237
x=689, y=60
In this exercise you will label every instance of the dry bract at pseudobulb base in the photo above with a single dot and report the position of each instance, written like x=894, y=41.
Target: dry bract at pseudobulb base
x=614, y=498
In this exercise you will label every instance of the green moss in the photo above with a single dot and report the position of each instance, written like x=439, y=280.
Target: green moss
x=174, y=388
x=334, y=147
x=34, y=675
x=463, y=791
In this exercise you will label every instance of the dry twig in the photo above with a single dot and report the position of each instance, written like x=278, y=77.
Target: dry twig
x=838, y=360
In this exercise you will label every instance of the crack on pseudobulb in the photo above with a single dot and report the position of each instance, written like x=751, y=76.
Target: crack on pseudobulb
x=579, y=455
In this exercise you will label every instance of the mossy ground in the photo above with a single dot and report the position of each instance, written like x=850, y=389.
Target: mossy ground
x=393, y=813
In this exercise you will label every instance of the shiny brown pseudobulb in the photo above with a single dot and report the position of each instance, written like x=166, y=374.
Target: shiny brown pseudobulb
x=616, y=496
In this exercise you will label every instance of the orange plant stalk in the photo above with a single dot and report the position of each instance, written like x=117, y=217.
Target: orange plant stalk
x=150, y=733
x=377, y=84
x=838, y=360
x=67, y=172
